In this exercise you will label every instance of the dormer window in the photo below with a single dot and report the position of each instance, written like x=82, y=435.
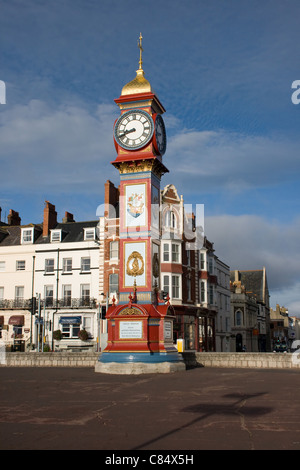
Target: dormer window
x=55, y=235
x=89, y=233
x=27, y=235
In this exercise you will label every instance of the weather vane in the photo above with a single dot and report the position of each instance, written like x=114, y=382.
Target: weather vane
x=141, y=50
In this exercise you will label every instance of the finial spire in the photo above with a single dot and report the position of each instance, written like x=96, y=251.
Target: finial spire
x=141, y=50
x=139, y=84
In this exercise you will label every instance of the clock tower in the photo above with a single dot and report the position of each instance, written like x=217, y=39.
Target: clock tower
x=140, y=326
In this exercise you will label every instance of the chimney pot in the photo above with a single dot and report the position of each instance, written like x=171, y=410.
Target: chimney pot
x=13, y=218
x=50, y=218
x=68, y=217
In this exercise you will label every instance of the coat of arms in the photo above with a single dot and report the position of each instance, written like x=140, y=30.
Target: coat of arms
x=135, y=204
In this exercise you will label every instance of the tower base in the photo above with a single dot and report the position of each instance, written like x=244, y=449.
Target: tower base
x=137, y=368
x=139, y=363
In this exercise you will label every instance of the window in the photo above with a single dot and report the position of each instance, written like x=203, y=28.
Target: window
x=188, y=257
x=19, y=296
x=175, y=253
x=2, y=266
x=189, y=288
x=114, y=250
x=49, y=265
x=20, y=265
x=202, y=261
x=166, y=254
x=113, y=283
x=238, y=318
x=67, y=265
x=67, y=295
x=166, y=284
x=210, y=266
x=85, y=265
x=85, y=294
x=55, y=235
x=89, y=233
x=48, y=296
x=27, y=235
x=17, y=330
x=202, y=292
x=175, y=287
x=70, y=330
x=170, y=219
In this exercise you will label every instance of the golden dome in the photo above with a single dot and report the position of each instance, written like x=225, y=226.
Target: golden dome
x=138, y=85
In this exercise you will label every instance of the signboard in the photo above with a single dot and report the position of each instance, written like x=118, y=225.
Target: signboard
x=131, y=329
x=168, y=329
x=70, y=320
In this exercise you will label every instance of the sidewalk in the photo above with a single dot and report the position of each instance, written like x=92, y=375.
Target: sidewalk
x=202, y=408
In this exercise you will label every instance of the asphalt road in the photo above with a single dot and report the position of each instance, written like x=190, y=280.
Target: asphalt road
x=199, y=409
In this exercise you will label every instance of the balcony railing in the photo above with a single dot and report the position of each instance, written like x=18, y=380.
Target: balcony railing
x=26, y=304
x=69, y=302
x=11, y=304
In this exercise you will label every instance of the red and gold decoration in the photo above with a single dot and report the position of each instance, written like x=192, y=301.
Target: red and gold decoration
x=140, y=327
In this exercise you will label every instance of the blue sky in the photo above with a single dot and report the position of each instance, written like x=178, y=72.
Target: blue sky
x=222, y=69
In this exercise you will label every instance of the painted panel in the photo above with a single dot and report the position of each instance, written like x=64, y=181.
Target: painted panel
x=135, y=205
x=135, y=263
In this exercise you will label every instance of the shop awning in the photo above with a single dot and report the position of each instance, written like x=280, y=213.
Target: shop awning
x=16, y=320
x=70, y=320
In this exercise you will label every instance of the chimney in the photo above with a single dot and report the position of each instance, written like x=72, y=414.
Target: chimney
x=50, y=218
x=111, y=200
x=13, y=218
x=68, y=218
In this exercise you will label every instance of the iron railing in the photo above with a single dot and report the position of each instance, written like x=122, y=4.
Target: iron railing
x=26, y=304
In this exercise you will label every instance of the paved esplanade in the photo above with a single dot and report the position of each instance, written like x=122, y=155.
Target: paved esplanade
x=203, y=408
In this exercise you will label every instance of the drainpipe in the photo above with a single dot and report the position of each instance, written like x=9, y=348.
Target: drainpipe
x=57, y=283
x=32, y=295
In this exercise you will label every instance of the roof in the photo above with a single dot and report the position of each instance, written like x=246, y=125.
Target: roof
x=255, y=282
x=71, y=232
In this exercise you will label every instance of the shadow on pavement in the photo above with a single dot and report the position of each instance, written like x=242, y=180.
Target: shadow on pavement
x=207, y=410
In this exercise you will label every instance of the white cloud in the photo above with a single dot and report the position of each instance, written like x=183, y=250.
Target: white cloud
x=251, y=242
x=42, y=146
x=231, y=161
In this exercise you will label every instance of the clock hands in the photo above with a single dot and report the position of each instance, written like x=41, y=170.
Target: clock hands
x=127, y=132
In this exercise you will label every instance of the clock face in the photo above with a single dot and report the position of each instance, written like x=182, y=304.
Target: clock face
x=160, y=134
x=134, y=129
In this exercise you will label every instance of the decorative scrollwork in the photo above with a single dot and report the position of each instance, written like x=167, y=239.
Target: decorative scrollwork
x=130, y=311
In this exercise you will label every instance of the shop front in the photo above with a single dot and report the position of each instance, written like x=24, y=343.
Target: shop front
x=196, y=327
x=17, y=323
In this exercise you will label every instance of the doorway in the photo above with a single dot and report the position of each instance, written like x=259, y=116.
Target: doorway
x=239, y=343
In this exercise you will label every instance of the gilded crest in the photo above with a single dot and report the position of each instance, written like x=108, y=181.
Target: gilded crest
x=135, y=264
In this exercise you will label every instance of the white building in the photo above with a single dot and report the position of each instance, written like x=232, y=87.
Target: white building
x=58, y=264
